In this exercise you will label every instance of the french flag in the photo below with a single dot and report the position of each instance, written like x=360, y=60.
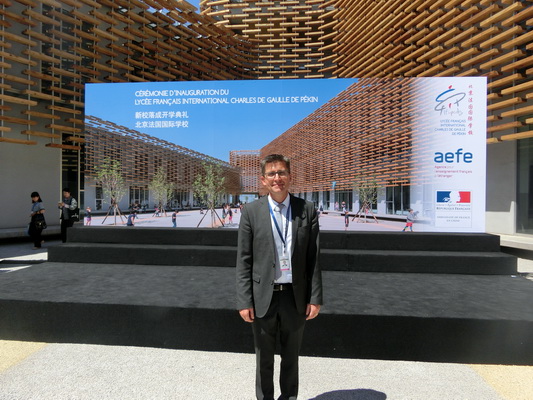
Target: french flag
x=453, y=196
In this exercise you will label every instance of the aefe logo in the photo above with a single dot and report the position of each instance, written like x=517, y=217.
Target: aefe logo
x=458, y=156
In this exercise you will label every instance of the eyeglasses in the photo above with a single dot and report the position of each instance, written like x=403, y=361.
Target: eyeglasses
x=281, y=173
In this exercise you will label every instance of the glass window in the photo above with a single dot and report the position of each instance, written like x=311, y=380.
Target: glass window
x=346, y=197
x=314, y=198
x=398, y=199
x=99, y=198
x=138, y=195
x=524, y=215
x=179, y=199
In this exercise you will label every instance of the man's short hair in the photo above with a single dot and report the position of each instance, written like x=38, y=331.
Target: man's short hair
x=275, y=158
x=66, y=190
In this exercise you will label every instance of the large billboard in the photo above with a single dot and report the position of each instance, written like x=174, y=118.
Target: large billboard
x=425, y=135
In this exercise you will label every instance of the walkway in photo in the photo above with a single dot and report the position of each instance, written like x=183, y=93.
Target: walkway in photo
x=333, y=221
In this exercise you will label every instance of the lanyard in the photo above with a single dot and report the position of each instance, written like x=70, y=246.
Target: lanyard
x=283, y=239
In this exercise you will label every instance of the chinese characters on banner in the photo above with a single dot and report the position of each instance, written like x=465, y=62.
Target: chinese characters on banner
x=161, y=119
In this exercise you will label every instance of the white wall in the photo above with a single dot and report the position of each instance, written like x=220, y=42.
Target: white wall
x=501, y=187
x=24, y=169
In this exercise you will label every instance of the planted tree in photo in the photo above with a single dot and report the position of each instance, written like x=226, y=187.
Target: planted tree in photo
x=208, y=186
x=161, y=189
x=109, y=175
x=367, y=189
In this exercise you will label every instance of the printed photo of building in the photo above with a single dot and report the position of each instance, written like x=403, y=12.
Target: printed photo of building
x=140, y=156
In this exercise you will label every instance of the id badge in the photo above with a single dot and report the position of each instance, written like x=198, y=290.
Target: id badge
x=284, y=263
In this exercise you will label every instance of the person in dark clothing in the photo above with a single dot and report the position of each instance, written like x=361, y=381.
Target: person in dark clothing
x=35, y=230
x=131, y=219
x=174, y=215
x=278, y=277
x=67, y=207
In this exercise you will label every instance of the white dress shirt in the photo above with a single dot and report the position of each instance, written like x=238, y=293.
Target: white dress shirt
x=282, y=251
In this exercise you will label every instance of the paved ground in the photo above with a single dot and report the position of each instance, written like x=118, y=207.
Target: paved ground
x=67, y=371
x=48, y=371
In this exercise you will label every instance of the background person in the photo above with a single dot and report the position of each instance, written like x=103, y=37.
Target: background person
x=229, y=214
x=279, y=283
x=131, y=219
x=346, y=216
x=88, y=216
x=67, y=206
x=410, y=220
x=174, y=215
x=36, y=209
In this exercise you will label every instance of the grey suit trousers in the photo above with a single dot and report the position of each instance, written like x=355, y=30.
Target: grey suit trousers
x=282, y=316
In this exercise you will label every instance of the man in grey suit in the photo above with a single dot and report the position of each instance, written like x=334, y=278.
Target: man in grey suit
x=279, y=283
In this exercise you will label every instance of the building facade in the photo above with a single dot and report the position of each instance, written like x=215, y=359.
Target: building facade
x=248, y=162
x=140, y=156
x=363, y=137
x=51, y=48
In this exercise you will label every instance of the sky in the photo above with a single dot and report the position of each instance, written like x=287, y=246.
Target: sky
x=212, y=117
x=195, y=3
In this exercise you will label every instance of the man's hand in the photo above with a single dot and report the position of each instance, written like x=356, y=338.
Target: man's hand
x=312, y=311
x=247, y=314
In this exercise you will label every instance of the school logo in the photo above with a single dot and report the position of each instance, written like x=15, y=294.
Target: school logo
x=449, y=101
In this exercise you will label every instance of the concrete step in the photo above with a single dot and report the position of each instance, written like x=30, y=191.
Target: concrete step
x=435, y=262
x=144, y=254
x=428, y=241
x=156, y=236
x=449, y=262
x=416, y=241
x=453, y=253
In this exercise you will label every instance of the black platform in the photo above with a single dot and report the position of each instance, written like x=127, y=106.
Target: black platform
x=340, y=251
x=465, y=317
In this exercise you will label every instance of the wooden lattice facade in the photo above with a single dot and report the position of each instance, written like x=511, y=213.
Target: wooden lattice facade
x=49, y=49
x=431, y=38
x=248, y=162
x=386, y=39
x=141, y=155
x=364, y=134
x=293, y=38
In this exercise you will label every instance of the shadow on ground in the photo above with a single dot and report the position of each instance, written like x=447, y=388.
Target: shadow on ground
x=354, y=394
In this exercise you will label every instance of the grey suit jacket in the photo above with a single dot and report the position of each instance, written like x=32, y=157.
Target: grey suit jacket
x=256, y=256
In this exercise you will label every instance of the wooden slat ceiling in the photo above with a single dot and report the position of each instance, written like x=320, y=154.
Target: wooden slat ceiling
x=50, y=49
x=386, y=39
